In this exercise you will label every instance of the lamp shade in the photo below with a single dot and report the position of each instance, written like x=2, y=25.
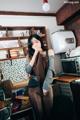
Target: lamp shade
x=45, y=5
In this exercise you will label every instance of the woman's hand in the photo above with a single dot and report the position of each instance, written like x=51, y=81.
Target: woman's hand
x=36, y=47
x=50, y=52
x=45, y=92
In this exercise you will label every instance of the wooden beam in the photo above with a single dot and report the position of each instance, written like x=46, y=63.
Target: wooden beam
x=72, y=18
x=26, y=13
x=67, y=11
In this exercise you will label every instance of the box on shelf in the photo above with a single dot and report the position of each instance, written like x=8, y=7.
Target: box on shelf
x=17, y=52
x=3, y=54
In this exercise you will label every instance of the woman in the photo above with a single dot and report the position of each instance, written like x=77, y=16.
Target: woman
x=40, y=69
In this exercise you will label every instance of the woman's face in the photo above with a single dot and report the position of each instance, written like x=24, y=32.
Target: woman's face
x=36, y=42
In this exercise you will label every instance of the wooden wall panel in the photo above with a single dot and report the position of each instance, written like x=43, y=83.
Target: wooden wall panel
x=66, y=11
x=77, y=34
x=69, y=16
x=75, y=26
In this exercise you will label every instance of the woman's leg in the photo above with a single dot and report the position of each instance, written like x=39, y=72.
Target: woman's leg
x=48, y=102
x=36, y=101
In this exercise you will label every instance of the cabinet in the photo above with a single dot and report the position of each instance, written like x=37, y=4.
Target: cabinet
x=66, y=104
x=13, y=40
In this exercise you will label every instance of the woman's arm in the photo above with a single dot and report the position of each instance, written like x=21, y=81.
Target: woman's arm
x=30, y=64
x=33, y=58
x=51, y=59
x=49, y=76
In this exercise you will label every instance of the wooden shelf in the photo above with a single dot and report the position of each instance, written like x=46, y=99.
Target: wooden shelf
x=17, y=37
x=21, y=27
x=14, y=38
x=11, y=48
x=9, y=54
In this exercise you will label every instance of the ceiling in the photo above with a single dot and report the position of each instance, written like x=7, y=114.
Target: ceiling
x=29, y=5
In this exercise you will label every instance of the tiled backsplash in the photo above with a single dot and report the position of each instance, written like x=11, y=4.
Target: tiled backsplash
x=13, y=70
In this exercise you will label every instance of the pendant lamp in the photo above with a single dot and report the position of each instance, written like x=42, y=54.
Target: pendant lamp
x=45, y=6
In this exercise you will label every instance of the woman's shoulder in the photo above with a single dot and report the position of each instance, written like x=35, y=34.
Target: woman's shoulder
x=50, y=52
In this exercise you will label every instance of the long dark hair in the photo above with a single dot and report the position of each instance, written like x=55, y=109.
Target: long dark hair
x=30, y=49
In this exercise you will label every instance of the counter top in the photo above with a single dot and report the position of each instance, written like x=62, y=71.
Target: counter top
x=20, y=84
x=67, y=78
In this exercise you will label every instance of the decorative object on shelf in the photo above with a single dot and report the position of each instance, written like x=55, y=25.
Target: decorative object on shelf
x=32, y=31
x=6, y=32
x=20, y=43
x=17, y=52
x=3, y=54
x=45, y=6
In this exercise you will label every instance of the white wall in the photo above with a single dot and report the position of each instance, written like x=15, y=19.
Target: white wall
x=47, y=21
x=29, y=5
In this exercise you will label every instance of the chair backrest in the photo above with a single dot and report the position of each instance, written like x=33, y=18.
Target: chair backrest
x=5, y=113
x=2, y=95
x=7, y=88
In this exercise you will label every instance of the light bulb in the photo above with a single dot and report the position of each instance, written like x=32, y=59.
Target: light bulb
x=46, y=6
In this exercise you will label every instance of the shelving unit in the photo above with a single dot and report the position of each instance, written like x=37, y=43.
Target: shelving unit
x=13, y=45
x=20, y=35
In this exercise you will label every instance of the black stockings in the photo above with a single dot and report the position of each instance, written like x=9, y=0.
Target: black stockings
x=36, y=101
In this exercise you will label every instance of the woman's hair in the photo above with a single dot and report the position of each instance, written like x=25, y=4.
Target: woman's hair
x=30, y=49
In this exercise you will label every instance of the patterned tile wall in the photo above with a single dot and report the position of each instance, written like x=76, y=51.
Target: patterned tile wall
x=13, y=70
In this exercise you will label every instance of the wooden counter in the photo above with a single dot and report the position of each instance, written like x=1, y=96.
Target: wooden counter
x=67, y=78
x=21, y=84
